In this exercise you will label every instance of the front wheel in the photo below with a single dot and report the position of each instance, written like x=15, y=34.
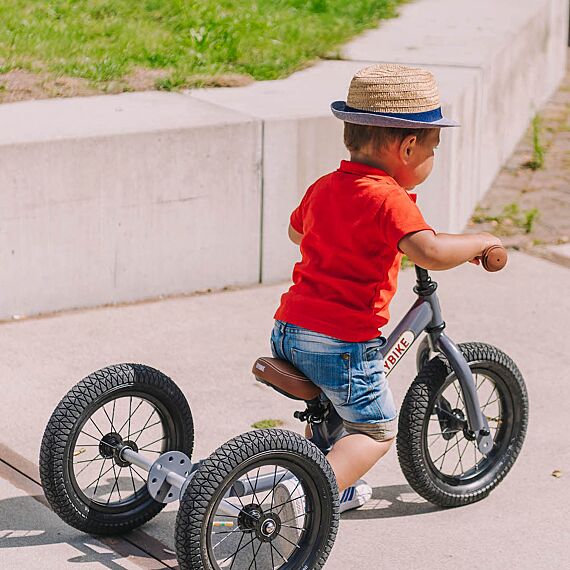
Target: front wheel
x=265, y=499
x=437, y=452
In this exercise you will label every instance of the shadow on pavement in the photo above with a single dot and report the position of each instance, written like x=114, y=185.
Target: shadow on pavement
x=26, y=522
x=392, y=501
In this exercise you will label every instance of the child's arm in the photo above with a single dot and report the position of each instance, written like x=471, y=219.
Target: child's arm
x=444, y=251
x=294, y=235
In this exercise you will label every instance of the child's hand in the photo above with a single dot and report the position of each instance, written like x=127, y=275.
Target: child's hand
x=489, y=240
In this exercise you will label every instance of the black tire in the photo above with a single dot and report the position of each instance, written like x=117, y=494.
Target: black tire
x=81, y=507
x=427, y=405
x=208, y=487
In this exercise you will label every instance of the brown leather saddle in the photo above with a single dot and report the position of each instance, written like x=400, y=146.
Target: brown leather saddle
x=285, y=378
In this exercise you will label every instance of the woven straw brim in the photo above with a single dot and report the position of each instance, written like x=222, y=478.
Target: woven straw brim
x=338, y=109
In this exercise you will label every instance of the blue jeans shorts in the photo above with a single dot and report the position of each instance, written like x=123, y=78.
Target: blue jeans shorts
x=350, y=374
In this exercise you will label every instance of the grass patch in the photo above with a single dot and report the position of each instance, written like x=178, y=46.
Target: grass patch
x=406, y=263
x=511, y=217
x=103, y=40
x=537, y=160
x=266, y=424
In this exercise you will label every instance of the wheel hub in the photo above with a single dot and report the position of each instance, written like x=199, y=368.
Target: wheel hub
x=108, y=444
x=249, y=517
x=269, y=527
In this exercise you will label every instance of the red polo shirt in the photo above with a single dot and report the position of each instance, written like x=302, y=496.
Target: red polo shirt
x=352, y=221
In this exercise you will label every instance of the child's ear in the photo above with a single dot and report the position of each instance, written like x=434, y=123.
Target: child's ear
x=407, y=147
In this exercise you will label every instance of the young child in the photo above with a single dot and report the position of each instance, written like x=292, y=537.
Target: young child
x=353, y=225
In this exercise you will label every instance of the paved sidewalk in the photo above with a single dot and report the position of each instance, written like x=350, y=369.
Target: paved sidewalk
x=207, y=344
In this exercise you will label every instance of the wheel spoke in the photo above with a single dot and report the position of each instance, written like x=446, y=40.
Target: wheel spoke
x=234, y=555
x=272, y=490
x=113, y=414
x=89, y=461
x=98, y=478
x=114, y=484
x=110, y=419
x=145, y=425
x=96, y=426
x=297, y=517
x=284, y=537
x=148, y=445
x=130, y=416
x=132, y=479
x=272, y=560
x=228, y=533
x=253, y=488
x=138, y=474
x=276, y=550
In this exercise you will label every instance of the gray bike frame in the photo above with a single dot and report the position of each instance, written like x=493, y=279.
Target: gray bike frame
x=425, y=315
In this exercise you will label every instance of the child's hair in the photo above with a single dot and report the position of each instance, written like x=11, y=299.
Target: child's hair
x=358, y=136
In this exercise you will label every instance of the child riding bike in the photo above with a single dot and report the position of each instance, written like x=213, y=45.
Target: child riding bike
x=353, y=225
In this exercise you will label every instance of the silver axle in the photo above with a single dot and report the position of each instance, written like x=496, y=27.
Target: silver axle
x=170, y=474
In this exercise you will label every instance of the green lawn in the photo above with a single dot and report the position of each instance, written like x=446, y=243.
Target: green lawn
x=103, y=41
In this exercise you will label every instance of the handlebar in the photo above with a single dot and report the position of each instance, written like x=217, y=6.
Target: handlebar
x=494, y=258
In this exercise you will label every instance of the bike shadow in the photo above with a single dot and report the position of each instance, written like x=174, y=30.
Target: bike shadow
x=390, y=502
x=25, y=521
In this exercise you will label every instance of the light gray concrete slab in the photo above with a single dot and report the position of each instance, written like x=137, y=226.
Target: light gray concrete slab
x=133, y=197
x=32, y=536
x=207, y=344
x=302, y=141
x=49, y=120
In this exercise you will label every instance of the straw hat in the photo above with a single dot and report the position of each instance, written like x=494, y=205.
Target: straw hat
x=391, y=95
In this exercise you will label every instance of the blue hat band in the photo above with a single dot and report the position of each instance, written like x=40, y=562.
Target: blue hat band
x=424, y=117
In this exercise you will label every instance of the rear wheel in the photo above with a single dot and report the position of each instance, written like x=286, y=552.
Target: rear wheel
x=266, y=499
x=83, y=475
x=437, y=452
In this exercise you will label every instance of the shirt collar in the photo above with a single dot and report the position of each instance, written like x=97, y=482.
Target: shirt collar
x=362, y=169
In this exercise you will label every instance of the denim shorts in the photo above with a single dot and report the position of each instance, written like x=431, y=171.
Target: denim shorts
x=350, y=374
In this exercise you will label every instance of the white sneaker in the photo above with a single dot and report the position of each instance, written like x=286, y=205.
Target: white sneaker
x=355, y=496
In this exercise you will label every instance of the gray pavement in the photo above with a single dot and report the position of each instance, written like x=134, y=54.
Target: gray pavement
x=207, y=344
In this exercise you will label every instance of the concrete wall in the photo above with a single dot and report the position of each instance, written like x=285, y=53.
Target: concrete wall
x=93, y=215
x=119, y=198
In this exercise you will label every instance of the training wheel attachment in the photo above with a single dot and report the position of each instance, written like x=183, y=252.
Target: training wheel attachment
x=164, y=484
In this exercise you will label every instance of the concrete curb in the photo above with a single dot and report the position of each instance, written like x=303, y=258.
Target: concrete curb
x=118, y=198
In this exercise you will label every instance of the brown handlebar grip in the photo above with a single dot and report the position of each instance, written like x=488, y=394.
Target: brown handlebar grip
x=494, y=258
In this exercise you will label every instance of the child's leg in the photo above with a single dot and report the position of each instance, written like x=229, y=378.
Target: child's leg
x=353, y=456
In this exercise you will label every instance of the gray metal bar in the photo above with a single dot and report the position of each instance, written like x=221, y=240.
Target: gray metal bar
x=136, y=459
x=476, y=419
x=175, y=480
x=415, y=320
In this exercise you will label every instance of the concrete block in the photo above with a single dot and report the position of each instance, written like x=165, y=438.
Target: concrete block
x=120, y=198
x=303, y=141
